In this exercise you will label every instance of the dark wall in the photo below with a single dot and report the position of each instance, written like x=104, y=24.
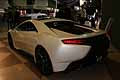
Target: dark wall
x=116, y=24
x=112, y=8
x=106, y=10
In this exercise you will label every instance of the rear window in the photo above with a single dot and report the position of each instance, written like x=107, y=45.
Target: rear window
x=68, y=26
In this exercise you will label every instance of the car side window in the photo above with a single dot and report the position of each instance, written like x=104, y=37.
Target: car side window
x=28, y=26
x=21, y=27
x=31, y=27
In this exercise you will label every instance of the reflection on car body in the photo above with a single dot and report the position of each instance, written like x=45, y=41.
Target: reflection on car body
x=56, y=43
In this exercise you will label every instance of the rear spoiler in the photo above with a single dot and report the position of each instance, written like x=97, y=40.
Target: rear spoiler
x=109, y=25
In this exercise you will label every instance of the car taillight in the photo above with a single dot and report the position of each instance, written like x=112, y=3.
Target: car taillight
x=73, y=41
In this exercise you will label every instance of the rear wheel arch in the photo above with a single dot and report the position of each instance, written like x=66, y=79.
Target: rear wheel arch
x=41, y=47
x=47, y=59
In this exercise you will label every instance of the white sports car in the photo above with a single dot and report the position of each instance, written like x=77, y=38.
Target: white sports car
x=56, y=43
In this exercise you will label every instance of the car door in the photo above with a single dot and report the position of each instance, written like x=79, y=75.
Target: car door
x=19, y=33
x=30, y=38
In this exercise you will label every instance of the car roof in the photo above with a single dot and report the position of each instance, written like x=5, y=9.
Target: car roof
x=60, y=19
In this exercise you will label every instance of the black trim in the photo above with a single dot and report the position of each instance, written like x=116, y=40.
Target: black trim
x=99, y=46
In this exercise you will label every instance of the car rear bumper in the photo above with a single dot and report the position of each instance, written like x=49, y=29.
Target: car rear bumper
x=97, y=53
x=94, y=50
x=67, y=54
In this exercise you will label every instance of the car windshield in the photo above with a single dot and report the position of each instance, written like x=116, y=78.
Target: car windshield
x=68, y=26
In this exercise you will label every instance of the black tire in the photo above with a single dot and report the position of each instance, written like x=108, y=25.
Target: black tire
x=10, y=41
x=43, y=61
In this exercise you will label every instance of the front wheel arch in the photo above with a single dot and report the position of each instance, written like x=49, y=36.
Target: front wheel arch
x=10, y=41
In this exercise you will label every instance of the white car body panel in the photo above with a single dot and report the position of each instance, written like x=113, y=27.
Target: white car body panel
x=18, y=39
x=30, y=43
x=66, y=54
